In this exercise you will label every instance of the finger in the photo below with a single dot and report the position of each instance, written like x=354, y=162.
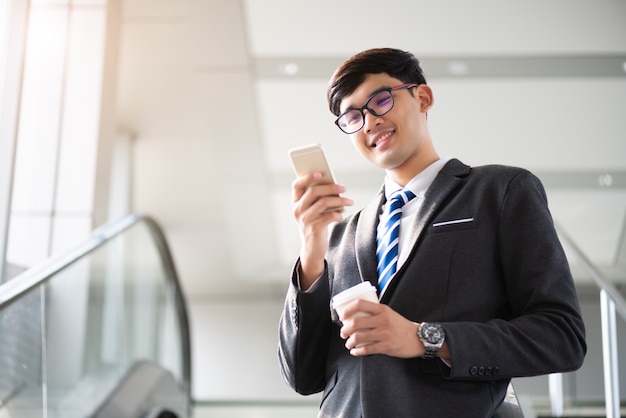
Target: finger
x=318, y=215
x=301, y=184
x=327, y=204
x=315, y=203
x=362, y=306
x=330, y=194
x=365, y=350
x=358, y=323
x=331, y=189
x=362, y=343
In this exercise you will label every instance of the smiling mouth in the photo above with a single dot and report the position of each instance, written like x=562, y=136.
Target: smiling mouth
x=381, y=139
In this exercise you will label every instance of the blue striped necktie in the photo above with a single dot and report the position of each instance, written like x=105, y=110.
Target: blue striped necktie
x=387, y=237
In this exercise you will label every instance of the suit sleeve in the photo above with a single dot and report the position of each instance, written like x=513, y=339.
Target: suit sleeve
x=545, y=333
x=304, y=329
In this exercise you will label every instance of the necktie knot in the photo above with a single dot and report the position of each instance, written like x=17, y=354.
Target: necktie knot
x=401, y=197
x=388, y=237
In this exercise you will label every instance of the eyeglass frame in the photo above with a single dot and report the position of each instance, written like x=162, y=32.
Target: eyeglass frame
x=365, y=107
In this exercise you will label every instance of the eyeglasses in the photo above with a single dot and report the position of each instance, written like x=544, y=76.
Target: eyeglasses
x=378, y=104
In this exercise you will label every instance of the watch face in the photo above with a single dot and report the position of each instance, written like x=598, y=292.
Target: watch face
x=432, y=333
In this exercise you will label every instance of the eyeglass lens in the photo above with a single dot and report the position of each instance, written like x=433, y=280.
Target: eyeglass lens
x=354, y=119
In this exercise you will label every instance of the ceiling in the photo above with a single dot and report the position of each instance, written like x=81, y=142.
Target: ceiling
x=214, y=93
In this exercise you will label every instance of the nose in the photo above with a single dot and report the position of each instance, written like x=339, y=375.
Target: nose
x=370, y=120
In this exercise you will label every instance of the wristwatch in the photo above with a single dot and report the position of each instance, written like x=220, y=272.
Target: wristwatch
x=432, y=336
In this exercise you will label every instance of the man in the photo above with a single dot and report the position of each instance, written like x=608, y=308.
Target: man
x=481, y=292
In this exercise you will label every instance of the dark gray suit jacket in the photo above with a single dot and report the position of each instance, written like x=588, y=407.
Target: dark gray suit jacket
x=500, y=285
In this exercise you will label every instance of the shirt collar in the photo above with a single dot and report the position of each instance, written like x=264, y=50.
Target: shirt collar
x=421, y=182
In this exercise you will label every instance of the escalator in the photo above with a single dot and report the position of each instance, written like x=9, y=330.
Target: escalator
x=100, y=332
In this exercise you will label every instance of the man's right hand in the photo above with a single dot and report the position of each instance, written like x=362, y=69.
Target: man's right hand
x=311, y=204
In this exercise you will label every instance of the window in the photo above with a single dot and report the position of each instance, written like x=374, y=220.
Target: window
x=51, y=187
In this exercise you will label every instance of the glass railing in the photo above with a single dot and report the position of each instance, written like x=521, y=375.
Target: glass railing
x=608, y=280
x=105, y=316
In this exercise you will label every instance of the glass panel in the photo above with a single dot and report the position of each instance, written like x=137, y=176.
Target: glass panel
x=599, y=219
x=593, y=218
x=105, y=313
x=21, y=389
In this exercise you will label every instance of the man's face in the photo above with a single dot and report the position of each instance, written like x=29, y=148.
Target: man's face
x=391, y=141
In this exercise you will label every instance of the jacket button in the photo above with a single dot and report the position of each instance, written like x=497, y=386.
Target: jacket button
x=481, y=371
x=496, y=370
x=473, y=370
x=489, y=371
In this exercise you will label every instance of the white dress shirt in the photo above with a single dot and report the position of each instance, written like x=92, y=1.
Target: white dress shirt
x=418, y=185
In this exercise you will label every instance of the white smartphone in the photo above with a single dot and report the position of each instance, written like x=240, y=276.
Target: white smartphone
x=309, y=159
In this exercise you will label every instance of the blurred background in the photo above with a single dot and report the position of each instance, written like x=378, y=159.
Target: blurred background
x=185, y=111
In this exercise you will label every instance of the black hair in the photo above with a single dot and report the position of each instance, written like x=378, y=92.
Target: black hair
x=399, y=64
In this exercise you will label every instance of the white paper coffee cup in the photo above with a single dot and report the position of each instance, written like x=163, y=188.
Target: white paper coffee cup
x=363, y=290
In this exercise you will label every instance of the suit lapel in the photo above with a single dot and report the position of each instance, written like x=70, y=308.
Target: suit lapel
x=365, y=240
x=446, y=182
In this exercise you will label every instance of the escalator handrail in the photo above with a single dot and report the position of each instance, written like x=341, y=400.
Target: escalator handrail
x=38, y=275
x=21, y=284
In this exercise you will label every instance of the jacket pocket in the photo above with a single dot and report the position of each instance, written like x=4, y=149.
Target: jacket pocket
x=449, y=225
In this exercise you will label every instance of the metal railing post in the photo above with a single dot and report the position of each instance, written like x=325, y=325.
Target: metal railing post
x=609, y=356
x=555, y=384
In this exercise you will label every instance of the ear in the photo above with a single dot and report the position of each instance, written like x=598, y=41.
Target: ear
x=425, y=95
